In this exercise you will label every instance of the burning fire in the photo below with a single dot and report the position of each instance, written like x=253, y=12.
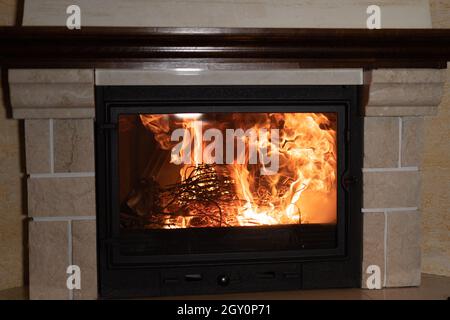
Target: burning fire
x=303, y=190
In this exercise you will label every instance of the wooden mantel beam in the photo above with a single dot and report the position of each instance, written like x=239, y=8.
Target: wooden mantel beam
x=104, y=47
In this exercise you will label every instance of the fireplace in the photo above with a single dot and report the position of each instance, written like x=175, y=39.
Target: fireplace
x=210, y=189
x=85, y=205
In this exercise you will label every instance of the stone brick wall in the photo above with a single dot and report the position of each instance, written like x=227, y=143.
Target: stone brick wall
x=436, y=189
x=436, y=171
x=61, y=188
x=393, y=149
x=12, y=209
x=58, y=108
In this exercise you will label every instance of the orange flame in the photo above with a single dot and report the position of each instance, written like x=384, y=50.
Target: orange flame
x=304, y=188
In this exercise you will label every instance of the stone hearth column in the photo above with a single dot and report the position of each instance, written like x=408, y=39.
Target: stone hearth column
x=58, y=109
x=398, y=101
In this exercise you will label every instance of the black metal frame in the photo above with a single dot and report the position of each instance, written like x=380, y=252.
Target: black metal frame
x=124, y=275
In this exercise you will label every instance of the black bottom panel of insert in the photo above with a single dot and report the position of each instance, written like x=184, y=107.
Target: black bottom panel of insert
x=225, y=240
x=228, y=279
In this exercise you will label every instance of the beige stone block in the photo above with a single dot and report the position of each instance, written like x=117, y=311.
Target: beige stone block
x=412, y=141
x=241, y=13
x=49, y=258
x=391, y=189
x=37, y=146
x=440, y=11
x=408, y=76
x=51, y=76
x=42, y=92
x=437, y=134
x=373, y=243
x=54, y=113
x=436, y=220
x=435, y=259
x=381, y=142
x=52, y=95
x=74, y=145
x=403, y=263
x=12, y=247
x=405, y=94
x=85, y=256
x=436, y=189
x=50, y=197
x=398, y=111
x=8, y=12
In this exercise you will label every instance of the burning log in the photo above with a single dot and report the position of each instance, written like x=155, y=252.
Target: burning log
x=198, y=200
x=240, y=192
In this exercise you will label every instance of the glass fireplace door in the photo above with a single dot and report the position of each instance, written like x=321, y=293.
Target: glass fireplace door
x=227, y=179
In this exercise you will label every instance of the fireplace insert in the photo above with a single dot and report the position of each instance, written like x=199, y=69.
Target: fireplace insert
x=214, y=189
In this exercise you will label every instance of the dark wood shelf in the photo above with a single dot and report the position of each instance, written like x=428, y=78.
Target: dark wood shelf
x=104, y=47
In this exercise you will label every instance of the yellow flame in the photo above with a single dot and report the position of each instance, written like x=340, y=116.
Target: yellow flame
x=307, y=164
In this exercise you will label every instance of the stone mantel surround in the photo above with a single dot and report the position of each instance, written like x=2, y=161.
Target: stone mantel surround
x=58, y=108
